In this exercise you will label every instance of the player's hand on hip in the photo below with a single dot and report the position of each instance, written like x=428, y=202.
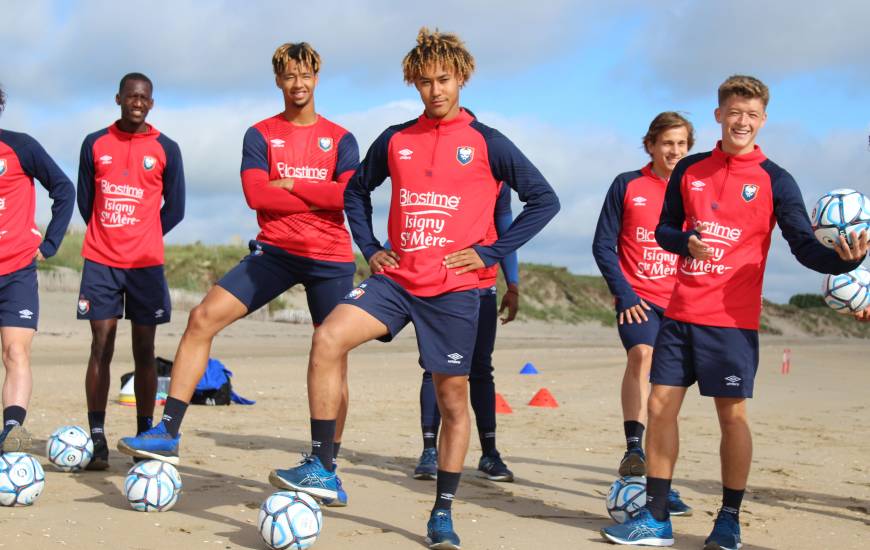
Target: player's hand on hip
x=699, y=249
x=466, y=260
x=857, y=250
x=38, y=256
x=383, y=259
x=283, y=183
x=634, y=314
x=510, y=302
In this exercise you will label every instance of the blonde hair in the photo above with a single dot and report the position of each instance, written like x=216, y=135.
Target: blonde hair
x=664, y=122
x=301, y=52
x=745, y=86
x=437, y=48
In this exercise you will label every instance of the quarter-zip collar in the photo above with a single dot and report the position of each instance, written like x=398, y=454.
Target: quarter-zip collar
x=756, y=156
x=460, y=121
x=121, y=135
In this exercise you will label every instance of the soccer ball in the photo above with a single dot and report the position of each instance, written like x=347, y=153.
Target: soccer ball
x=840, y=212
x=290, y=520
x=627, y=495
x=152, y=486
x=70, y=448
x=849, y=292
x=21, y=479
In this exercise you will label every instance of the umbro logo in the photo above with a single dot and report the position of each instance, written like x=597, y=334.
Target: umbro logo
x=639, y=201
x=698, y=185
x=25, y=314
x=405, y=154
x=159, y=313
x=454, y=358
x=106, y=159
x=732, y=380
x=277, y=143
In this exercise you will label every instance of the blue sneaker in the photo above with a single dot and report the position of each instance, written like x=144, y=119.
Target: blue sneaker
x=642, y=530
x=427, y=467
x=341, y=501
x=633, y=463
x=726, y=533
x=676, y=506
x=439, y=531
x=156, y=444
x=308, y=477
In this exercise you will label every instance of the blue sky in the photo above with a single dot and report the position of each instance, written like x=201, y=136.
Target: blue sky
x=573, y=83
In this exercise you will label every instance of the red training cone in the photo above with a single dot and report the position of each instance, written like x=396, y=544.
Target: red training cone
x=786, y=361
x=501, y=405
x=544, y=399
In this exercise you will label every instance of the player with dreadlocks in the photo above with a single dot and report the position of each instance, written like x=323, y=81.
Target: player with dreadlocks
x=445, y=168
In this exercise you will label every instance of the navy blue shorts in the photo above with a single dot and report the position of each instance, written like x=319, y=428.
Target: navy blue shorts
x=641, y=333
x=269, y=271
x=722, y=360
x=19, y=298
x=139, y=293
x=446, y=325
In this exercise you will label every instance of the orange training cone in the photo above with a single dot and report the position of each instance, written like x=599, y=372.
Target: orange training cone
x=786, y=361
x=544, y=399
x=501, y=405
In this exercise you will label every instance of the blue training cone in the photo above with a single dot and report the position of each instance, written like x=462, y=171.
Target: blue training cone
x=528, y=368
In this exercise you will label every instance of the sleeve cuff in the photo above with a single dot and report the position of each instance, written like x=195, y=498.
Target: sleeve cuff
x=487, y=254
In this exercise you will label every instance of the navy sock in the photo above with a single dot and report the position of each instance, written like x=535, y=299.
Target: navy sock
x=430, y=416
x=446, y=485
x=430, y=436
x=322, y=434
x=731, y=500
x=13, y=415
x=487, y=439
x=657, y=490
x=143, y=423
x=97, y=422
x=336, y=446
x=633, y=434
x=173, y=414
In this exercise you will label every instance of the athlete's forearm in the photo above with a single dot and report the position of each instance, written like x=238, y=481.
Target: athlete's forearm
x=262, y=196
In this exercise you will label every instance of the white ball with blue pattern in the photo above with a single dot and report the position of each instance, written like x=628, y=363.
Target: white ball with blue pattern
x=70, y=448
x=848, y=292
x=840, y=212
x=290, y=520
x=152, y=486
x=21, y=479
x=627, y=495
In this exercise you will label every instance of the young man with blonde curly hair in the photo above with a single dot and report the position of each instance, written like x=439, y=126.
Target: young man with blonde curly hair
x=445, y=169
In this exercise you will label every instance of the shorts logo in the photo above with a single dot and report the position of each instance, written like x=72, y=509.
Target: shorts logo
x=454, y=358
x=2, y=166
x=25, y=314
x=149, y=162
x=258, y=251
x=750, y=191
x=405, y=154
x=639, y=201
x=106, y=159
x=464, y=154
x=325, y=143
x=84, y=306
x=698, y=185
x=355, y=294
x=159, y=314
x=732, y=380
x=277, y=143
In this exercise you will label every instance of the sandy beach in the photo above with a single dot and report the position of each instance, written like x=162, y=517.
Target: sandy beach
x=809, y=487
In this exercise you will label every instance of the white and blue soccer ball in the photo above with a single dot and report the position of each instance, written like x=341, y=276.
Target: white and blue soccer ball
x=21, y=479
x=627, y=495
x=152, y=486
x=290, y=520
x=840, y=212
x=70, y=448
x=848, y=292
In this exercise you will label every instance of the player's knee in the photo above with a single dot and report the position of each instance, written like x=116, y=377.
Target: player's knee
x=659, y=410
x=16, y=356
x=640, y=359
x=327, y=341
x=200, y=320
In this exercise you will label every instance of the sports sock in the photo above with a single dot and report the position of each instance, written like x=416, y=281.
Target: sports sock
x=173, y=414
x=143, y=423
x=487, y=439
x=336, y=446
x=322, y=434
x=430, y=436
x=633, y=434
x=731, y=500
x=97, y=422
x=657, y=490
x=430, y=416
x=13, y=414
x=446, y=485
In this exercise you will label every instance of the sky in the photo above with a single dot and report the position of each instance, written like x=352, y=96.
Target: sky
x=573, y=83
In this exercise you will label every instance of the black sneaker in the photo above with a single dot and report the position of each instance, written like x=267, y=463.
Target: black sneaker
x=15, y=439
x=633, y=463
x=100, y=460
x=493, y=468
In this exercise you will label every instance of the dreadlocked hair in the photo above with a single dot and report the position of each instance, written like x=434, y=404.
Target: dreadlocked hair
x=301, y=52
x=434, y=49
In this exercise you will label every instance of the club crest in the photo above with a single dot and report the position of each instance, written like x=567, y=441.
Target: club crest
x=750, y=190
x=464, y=154
x=325, y=143
x=355, y=294
x=149, y=162
x=84, y=306
x=2, y=166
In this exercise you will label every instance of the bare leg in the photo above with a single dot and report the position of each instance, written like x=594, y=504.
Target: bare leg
x=635, y=383
x=145, y=379
x=452, y=395
x=99, y=363
x=18, y=384
x=735, y=448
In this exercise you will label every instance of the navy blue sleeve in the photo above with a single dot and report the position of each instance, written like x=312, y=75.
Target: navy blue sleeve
x=85, y=187
x=372, y=172
x=604, y=244
x=348, y=155
x=669, y=232
x=508, y=164
x=172, y=211
x=255, y=153
x=36, y=163
x=791, y=215
x=510, y=266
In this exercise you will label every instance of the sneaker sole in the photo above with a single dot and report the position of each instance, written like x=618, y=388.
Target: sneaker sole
x=18, y=440
x=334, y=503
x=281, y=483
x=634, y=465
x=685, y=514
x=442, y=545
x=714, y=546
x=425, y=475
x=638, y=542
x=501, y=478
x=127, y=450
